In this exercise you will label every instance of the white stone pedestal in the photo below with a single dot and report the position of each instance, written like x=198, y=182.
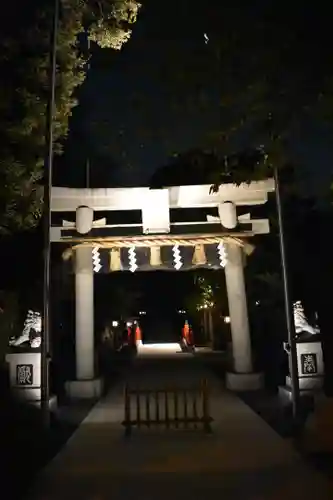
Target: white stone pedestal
x=310, y=365
x=244, y=381
x=25, y=377
x=84, y=389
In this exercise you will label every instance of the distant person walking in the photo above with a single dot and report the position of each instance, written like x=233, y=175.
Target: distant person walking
x=187, y=341
x=106, y=355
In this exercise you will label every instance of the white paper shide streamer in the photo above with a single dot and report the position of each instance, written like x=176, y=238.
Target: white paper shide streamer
x=132, y=259
x=222, y=251
x=96, y=260
x=177, y=259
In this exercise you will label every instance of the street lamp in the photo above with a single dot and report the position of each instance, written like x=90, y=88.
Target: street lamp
x=288, y=307
x=48, y=167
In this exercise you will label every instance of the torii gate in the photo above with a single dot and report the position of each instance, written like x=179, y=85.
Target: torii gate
x=98, y=243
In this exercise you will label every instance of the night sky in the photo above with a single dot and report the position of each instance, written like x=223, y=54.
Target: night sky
x=126, y=140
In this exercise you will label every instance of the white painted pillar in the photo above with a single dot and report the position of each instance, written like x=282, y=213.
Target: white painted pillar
x=239, y=322
x=84, y=313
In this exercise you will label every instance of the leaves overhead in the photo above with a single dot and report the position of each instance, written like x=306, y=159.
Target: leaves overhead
x=210, y=167
x=207, y=292
x=24, y=88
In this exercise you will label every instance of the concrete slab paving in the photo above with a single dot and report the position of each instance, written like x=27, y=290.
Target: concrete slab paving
x=242, y=459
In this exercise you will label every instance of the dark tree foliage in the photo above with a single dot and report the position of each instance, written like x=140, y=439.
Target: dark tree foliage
x=24, y=88
x=210, y=167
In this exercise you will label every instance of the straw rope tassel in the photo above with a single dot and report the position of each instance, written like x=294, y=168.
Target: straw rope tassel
x=155, y=256
x=117, y=244
x=199, y=255
x=115, y=261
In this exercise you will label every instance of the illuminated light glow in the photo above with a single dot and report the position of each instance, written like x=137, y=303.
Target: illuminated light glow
x=207, y=305
x=115, y=323
x=177, y=259
x=227, y=319
x=221, y=249
x=132, y=259
x=142, y=313
x=129, y=323
x=160, y=349
x=96, y=259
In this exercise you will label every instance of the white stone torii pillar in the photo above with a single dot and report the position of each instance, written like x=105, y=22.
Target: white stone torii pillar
x=84, y=314
x=85, y=385
x=239, y=322
x=242, y=377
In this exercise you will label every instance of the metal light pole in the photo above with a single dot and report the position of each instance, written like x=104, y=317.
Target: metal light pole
x=48, y=167
x=288, y=306
x=88, y=162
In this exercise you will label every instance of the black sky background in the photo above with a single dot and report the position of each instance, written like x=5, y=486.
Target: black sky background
x=125, y=141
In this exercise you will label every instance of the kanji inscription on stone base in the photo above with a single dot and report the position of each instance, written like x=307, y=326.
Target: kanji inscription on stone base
x=24, y=374
x=309, y=364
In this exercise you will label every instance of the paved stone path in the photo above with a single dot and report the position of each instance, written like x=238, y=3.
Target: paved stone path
x=243, y=459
